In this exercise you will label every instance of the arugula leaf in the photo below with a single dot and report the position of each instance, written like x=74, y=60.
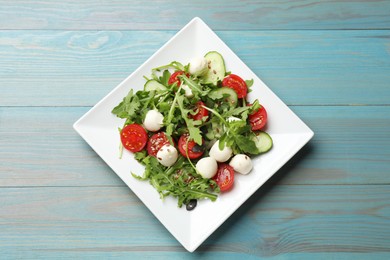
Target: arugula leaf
x=180, y=180
x=164, y=106
x=237, y=134
x=173, y=65
x=214, y=95
x=169, y=129
x=133, y=106
x=246, y=144
x=140, y=156
x=195, y=87
x=165, y=77
x=192, y=125
x=120, y=109
x=128, y=107
x=170, y=116
x=236, y=111
x=195, y=134
x=255, y=106
x=249, y=84
x=187, y=67
x=148, y=169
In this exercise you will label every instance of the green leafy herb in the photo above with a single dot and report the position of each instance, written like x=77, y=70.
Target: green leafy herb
x=173, y=65
x=179, y=180
x=182, y=180
x=238, y=135
x=165, y=77
x=195, y=87
x=249, y=84
x=192, y=125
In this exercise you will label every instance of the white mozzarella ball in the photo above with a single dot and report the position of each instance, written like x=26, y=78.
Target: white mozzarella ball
x=198, y=66
x=167, y=155
x=188, y=92
x=153, y=120
x=241, y=163
x=220, y=155
x=207, y=167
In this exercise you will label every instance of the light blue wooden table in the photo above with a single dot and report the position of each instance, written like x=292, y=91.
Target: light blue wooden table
x=329, y=61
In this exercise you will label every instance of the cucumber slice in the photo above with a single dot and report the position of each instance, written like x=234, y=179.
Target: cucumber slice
x=154, y=85
x=216, y=68
x=263, y=142
x=220, y=92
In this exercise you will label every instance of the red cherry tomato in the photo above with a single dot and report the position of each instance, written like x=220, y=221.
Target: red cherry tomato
x=202, y=112
x=193, y=149
x=174, y=78
x=134, y=137
x=224, y=177
x=258, y=119
x=155, y=142
x=237, y=84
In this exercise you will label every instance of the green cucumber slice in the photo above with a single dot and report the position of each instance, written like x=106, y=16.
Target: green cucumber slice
x=216, y=68
x=263, y=142
x=220, y=92
x=154, y=85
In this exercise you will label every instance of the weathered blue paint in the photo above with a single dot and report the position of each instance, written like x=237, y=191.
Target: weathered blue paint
x=328, y=60
x=57, y=68
x=173, y=14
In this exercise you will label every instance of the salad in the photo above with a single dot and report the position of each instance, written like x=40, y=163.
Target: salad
x=193, y=129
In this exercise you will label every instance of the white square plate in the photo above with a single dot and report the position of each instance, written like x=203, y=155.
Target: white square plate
x=99, y=129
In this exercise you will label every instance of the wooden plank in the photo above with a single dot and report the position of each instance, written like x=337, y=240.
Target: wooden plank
x=39, y=148
x=57, y=68
x=351, y=145
x=172, y=15
x=283, y=221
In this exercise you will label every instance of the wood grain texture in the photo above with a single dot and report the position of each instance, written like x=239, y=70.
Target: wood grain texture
x=39, y=148
x=81, y=222
x=78, y=68
x=328, y=60
x=221, y=15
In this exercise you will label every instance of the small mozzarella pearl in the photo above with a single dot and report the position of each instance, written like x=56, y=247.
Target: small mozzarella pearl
x=207, y=167
x=153, y=120
x=167, y=155
x=220, y=155
x=241, y=163
x=198, y=66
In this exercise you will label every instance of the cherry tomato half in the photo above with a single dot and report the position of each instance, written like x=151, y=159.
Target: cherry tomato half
x=258, y=119
x=237, y=84
x=155, y=142
x=224, y=177
x=174, y=78
x=134, y=137
x=193, y=149
x=202, y=112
